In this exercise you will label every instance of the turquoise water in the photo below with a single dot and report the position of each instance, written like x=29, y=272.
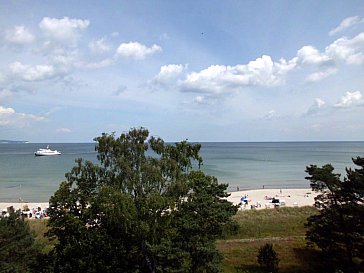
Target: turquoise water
x=242, y=165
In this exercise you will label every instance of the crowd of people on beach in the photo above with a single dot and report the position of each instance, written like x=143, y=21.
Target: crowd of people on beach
x=34, y=213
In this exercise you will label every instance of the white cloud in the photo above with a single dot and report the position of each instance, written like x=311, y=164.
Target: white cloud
x=347, y=50
x=315, y=108
x=31, y=73
x=345, y=24
x=63, y=130
x=310, y=55
x=63, y=30
x=136, y=50
x=5, y=111
x=318, y=76
x=99, y=46
x=319, y=103
x=350, y=99
x=168, y=72
x=62, y=58
x=19, y=35
x=9, y=117
x=218, y=79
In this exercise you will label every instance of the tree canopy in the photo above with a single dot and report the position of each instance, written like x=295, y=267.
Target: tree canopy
x=338, y=229
x=145, y=207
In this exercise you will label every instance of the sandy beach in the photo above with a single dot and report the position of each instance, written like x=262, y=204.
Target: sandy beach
x=259, y=199
x=262, y=198
x=21, y=206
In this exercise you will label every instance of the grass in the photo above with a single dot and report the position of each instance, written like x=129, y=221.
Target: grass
x=272, y=222
x=39, y=227
x=283, y=227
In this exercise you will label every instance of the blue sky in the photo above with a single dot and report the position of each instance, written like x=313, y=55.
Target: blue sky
x=197, y=70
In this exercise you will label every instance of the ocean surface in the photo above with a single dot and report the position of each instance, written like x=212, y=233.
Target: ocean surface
x=245, y=165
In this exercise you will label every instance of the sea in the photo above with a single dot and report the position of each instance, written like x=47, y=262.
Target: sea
x=243, y=165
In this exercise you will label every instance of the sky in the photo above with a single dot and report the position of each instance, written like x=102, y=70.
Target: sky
x=249, y=70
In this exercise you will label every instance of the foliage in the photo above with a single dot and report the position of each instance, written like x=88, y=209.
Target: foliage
x=268, y=258
x=18, y=250
x=142, y=209
x=338, y=230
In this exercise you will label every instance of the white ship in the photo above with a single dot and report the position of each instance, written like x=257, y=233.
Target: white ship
x=46, y=151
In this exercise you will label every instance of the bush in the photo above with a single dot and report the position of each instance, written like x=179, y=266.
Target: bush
x=268, y=258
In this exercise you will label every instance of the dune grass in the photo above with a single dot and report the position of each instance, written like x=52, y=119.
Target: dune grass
x=283, y=227
x=272, y=222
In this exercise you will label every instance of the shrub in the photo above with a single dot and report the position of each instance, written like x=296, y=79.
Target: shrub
x=268, y=258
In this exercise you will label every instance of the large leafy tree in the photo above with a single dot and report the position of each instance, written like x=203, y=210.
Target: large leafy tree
x=338, y=228
x=141, y=209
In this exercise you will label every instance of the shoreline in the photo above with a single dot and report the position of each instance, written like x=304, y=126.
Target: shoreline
x=259, y=198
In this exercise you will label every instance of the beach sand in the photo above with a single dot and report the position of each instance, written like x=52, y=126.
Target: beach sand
x=17, y=206
x=260, y=198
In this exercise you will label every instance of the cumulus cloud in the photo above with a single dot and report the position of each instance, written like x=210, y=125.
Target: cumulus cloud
x=350, y=99
x=65, y=30
x=136, y=50
x=168, y=73
x=19, y=35
x=263, y=71
x=99, y=46
x=345, y=24
x=9, y=117
x=31, y=73
x=310, y=55
x=347, y=50
x=218, y=79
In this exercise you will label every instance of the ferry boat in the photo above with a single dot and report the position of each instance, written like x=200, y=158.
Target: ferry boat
x=46, y=151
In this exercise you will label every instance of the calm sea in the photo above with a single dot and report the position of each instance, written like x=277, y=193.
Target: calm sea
x=241, y=165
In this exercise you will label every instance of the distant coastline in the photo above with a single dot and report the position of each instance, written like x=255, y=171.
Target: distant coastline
x=5, y=141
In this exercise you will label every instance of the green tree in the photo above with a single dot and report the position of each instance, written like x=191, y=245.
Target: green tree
x=139, y=210
x=338, y=228
x=18, y=250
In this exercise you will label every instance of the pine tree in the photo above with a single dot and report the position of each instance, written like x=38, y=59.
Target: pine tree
x=338, y=228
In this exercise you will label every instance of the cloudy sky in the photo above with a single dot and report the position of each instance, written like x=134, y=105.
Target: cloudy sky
x=201, y=70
